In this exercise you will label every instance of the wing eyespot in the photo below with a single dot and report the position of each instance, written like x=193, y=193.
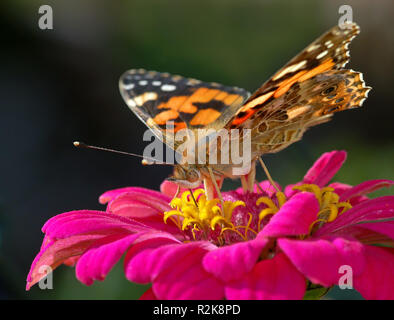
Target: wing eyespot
x=329, y=90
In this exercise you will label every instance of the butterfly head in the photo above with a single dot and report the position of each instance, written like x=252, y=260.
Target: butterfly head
x=186, y=176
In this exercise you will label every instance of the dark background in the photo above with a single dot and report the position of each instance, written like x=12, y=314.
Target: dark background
x=61, y=85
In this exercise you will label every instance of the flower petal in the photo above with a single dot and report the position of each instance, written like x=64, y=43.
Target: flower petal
x=112, y=194
x=341, y=188
x=55, y=252
x=176, y=271
x=170, y=188
x=135, y=266
x=367, y=235
x=320, y=260
x=377, y=280
x=88, y=221
x=386, y=228
x=294, y=218
x=324, y=169
x=271, y=279
x=377, y=209
x=99, y=259
x=69, y=235
x=232, y=262
x=364, y=188
x=137, y=204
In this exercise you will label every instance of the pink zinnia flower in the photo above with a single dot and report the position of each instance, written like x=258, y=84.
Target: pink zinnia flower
x=259, y=245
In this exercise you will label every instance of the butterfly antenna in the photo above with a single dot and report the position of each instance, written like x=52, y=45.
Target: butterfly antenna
x=145, y=161
x=268, y=174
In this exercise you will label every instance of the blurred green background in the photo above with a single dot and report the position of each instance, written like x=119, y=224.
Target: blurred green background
x=61, y=85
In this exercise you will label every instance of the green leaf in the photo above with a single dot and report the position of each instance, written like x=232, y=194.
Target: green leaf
x=315, y=294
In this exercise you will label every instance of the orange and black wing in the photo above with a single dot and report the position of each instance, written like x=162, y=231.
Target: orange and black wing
x=296, y=84
x=168, y=103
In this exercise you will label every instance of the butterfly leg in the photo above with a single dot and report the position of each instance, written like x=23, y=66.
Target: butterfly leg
x=244, y=183
x=248, y=181
x=268, y=175
x=211, y=185
x=251, y=177
x=209, y=188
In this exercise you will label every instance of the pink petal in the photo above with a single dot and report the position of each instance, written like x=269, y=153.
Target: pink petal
x=71, y=261
x=176, y=271
x=375, y=209
x=87, y=221
x=233, y=261
x=54, y=253
x=99, y=259
x=289, y=191
x=364, y=188
x=324, y=169
x=112, y=194
x=341, y=188
x=157, y=223
x=320, y=260
x=294, y=218
x=377, y=280
x=143, y=208
x=367, y=235
x=170, y=188
x=135, y=268
x=271, y=279
x=138, y=204
x=386, y=228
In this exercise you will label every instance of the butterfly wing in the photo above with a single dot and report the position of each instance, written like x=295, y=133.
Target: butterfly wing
x=304, y=93
x=168, y=103
x=304, y=105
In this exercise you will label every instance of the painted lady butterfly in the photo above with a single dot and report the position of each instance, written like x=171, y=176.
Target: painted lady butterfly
x=304, y=93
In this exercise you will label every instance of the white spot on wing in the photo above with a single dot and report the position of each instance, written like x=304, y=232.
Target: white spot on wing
x=156, y=83
x=128, y=86
x=143, y=83
x=313, y=47
x=141, y=99
x=329, y=44
x=322, y=54
x=291, y=68
x=168, y=87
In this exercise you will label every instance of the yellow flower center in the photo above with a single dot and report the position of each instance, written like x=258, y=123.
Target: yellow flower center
x=197, y=214
x=272, y=208
x=209, y=219
x=330, y=207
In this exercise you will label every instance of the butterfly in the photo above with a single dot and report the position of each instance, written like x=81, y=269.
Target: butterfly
x=307, y=91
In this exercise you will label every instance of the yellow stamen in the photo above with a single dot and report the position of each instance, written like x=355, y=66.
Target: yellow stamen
x=272, y=208
x=330, y=207
x=197, y=213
